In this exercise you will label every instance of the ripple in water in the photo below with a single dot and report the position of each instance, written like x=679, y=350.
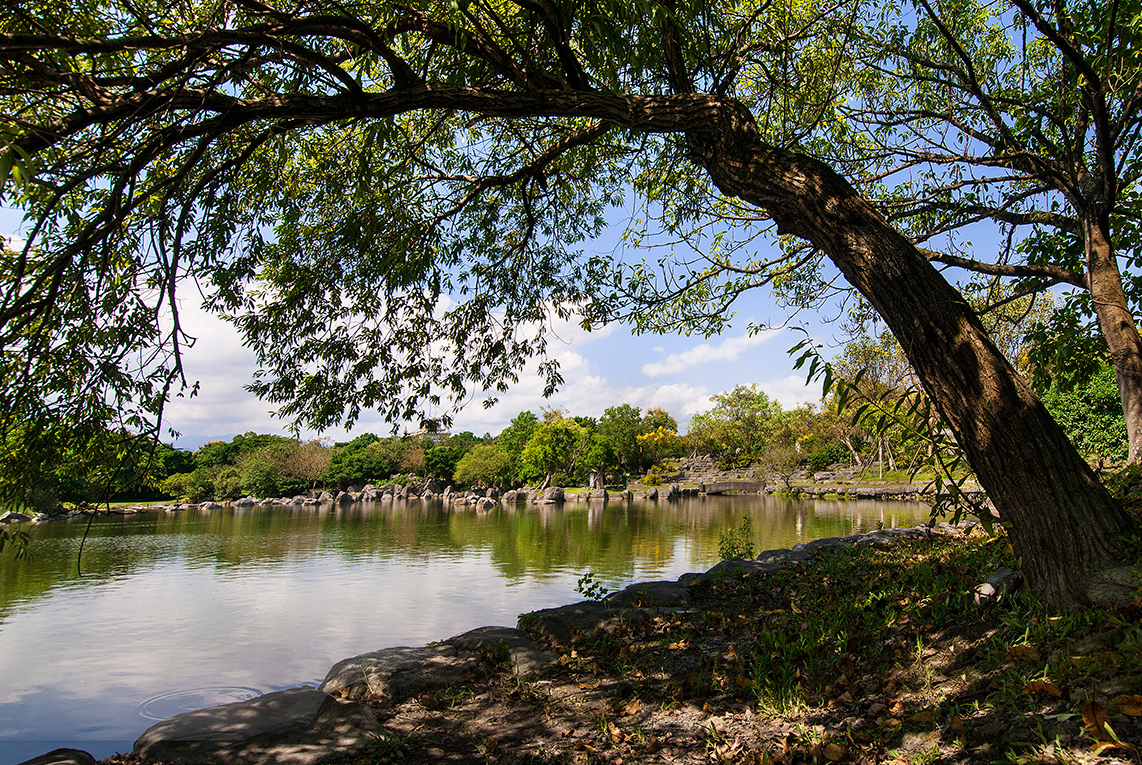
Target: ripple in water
x=176, y=702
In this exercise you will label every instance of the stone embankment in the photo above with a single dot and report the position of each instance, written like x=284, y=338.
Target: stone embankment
x=689, y=479
x=302, y=726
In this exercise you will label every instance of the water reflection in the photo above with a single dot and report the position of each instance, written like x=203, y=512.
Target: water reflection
x=169, y=604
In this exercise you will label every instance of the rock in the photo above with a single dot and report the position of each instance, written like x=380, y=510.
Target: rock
x=487, y=503
x=552, y=494
x=560, y=625
x=525, y=655
x=325, y=496
x=785, y=557
x=651, y=594
x=344, y=498
x=62, y=757
x=398, y=673
x=520, y=496
x=11, y=516
x=245, y=502
x=652, y=493
x=300, y=726
x=493, y=493
x=598, y=495
x=674, y=492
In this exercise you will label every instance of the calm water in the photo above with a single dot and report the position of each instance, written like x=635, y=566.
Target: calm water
x=177, y=611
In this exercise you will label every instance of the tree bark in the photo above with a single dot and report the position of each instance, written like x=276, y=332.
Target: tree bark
x=1063, y=523
x=1117, y=323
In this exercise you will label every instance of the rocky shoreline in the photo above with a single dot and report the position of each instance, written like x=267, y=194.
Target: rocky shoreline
x=828, y=486
x=304, y=726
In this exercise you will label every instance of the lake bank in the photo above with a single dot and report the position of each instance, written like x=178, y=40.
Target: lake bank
x=775, y=667
x=168, y=602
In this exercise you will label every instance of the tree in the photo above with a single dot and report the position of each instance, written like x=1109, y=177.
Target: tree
x=1029, y=116
x=621, y=425
x=485, y=465
x=739, y=426
x=555, y=447
x=514, y=438
x=331, y=173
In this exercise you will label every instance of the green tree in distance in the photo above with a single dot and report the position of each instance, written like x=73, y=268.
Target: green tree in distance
x=485, y=465
x=330, y=173
x=621, y=426
x=738, y=428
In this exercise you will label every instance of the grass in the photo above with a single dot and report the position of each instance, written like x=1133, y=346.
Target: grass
x=882, y=647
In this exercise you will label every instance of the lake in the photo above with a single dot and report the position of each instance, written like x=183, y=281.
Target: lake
x=172, y=611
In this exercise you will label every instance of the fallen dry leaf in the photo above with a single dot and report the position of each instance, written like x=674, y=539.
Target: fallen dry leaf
x=1022, y=652
x=1130, y=705
x=490, y=745
x=835, y=752
x=923, y=717
x=957, y=723
x=1096, y=718
x=1042, y=688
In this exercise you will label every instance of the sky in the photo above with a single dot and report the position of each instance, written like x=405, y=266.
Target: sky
x=603, y=368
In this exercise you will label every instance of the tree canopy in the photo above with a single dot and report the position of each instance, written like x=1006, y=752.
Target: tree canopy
x=389, y=201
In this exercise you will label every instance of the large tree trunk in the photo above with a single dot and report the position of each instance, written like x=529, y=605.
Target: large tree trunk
x=1117, y=322
x=1062, y=522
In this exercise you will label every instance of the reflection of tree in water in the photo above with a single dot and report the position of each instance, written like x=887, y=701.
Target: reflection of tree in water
x=615, y=540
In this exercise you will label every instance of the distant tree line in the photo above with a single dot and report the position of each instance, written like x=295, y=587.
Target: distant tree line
x=743, y=427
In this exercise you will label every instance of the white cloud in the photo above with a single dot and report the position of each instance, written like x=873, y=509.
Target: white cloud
x=223, y=366
x=729, y=349
x=792, y=391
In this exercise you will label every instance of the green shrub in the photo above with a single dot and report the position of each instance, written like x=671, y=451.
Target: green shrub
x=653, y=477
x=827, y=455
x=737, y=542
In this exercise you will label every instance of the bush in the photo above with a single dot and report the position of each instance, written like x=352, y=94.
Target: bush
x=178, y=486
x=827, y=455
x=737, y=542
x=653, y=477
x=563, y=480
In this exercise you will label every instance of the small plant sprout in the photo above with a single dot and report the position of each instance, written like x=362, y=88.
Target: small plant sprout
x=590, y=587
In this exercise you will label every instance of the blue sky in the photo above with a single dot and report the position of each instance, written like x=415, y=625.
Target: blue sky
x=603, y=368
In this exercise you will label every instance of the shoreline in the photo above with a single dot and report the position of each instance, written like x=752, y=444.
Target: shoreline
x=400, y=673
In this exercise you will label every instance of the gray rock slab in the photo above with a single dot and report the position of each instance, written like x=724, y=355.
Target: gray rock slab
x=782, y=557
x=651, y=595
x=62, y=757
x=295, y=727
x=401, y=672
x=561, y=625
x=521, y=650
x=742, y=567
